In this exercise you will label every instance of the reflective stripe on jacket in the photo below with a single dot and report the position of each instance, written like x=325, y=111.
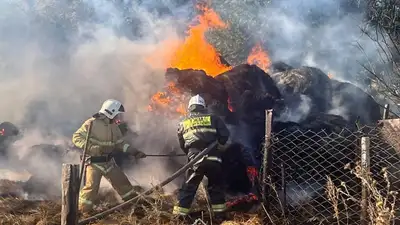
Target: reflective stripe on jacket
x=200, y=129
x=105, y=137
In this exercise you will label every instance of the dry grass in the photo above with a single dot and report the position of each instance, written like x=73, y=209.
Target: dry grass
x=15, y=211
x=381, y=204
x=156, y=209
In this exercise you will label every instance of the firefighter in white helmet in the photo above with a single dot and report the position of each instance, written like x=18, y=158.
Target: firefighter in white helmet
x=105, y=137
x=198, y=130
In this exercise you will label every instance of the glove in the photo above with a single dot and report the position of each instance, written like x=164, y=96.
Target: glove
x=140, y=155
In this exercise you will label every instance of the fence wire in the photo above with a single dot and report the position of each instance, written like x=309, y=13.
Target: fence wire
x=303, y=160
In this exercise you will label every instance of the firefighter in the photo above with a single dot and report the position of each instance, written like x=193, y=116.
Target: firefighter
x=195, y=133
x=105, y=137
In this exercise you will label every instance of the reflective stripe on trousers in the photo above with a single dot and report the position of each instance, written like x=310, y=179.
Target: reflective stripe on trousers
x=125, y=147
x=128, y=194
x=213, y=158
x=103, y=169
x=180, y=211
x=218, y=207
x=84, y=201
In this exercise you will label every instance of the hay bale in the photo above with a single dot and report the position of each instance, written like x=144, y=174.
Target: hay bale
x=197, y=82
x=354, y=104
x=308, y=81
x=251, y=91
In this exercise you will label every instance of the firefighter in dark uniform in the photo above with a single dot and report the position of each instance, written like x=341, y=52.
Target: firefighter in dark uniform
x=198, y=130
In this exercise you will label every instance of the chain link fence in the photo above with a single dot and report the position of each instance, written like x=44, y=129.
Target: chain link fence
x=313, y=177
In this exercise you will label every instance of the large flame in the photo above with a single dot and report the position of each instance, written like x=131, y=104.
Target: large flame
x=196, y=52
x=171, y=98
x=259, y=57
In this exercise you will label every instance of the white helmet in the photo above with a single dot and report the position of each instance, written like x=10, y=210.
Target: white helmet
x=197, y=100
x=111, y=108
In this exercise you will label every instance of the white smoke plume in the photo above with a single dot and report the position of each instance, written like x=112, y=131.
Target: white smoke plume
x=297, y=113
x=325, y=34
x=59, y=60
x=338, y=108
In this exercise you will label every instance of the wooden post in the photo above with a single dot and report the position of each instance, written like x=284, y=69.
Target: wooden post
x=386, y=112
x=267, y=154
x=70, y=191
x=365, y=167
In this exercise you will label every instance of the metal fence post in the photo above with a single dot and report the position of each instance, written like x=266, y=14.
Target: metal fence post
x=283, y=189
x=267, y=154
x=365, y=167
x=385, y=112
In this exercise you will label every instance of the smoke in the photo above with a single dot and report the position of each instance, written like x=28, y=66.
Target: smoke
x=296, y=111
x=325, y=34
x=338, y=108
x=299, y=193
x=59, y=60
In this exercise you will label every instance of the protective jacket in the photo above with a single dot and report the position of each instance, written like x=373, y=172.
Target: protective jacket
x=195, y=133
x=104, y=138
x=198, y=130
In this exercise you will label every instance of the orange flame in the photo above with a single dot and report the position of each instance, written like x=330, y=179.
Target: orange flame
x=230, y=105
x=193, y=53
x=196, y=52
x=259, y=57
x=181, y=109
x=330, y=75
x=167, y=100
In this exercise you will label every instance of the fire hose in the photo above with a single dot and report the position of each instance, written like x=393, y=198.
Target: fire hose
x=166, y=155
x=160, y=185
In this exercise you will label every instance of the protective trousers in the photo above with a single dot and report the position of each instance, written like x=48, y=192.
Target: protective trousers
x=94, y=173
x=213, y=171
